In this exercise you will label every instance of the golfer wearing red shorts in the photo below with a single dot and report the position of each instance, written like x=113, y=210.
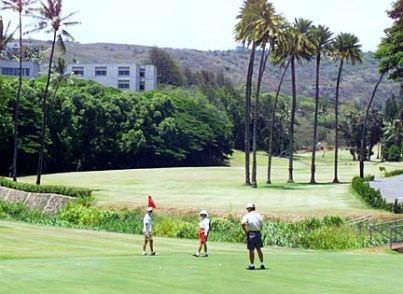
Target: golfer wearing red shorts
x=204, y=226
x=252, y=223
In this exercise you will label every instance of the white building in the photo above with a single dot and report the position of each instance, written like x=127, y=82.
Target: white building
x=30, y=69
x=121, y=76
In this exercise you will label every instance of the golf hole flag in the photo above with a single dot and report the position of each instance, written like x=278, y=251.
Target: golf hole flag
x=151, y=202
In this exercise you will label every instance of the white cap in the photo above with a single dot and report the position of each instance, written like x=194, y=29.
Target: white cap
x=203, y=211
x=250, y=205
x=150, y=209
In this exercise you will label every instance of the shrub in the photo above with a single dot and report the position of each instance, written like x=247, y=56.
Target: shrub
x=374, y=197
x=53, y=189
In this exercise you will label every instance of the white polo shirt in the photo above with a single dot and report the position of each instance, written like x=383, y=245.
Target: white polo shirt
x=253, y=221
x=205, y=225
x=148, y=223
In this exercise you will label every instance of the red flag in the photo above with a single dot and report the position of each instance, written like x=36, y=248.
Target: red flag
x=151, y=202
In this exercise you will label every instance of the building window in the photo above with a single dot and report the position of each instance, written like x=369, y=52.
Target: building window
x=142, y=86
x=11, y=71
x=142, y=72
x=78, y=71
x=100, y=71
x=123, y=84
x=123, y=71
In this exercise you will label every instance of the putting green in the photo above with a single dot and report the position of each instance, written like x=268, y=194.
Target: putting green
x=40, y=259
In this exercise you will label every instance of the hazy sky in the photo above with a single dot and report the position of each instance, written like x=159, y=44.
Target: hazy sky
x=208, y=24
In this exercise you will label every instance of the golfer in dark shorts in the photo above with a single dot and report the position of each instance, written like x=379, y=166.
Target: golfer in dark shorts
x=252, y=223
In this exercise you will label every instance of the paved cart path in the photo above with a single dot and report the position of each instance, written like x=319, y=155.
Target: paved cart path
x=391, y=188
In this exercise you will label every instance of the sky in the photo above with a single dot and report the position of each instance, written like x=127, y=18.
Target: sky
x=209, y=24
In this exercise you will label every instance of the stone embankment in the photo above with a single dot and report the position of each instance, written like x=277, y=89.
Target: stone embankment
x=49, y=203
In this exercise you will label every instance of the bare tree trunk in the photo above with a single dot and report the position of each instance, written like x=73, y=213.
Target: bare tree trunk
x=315, y=123
x=336, y=141
x=17, y=105
x=364, y=126
x=273, y=117
x=262, y=67
x=247, y=113
x=44, y=113
x=292, y=122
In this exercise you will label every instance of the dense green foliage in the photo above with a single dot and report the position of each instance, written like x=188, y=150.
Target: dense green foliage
x=169, y=73
x=61, y=190
x=93, y=127
x=330, y=232
x=373, y=197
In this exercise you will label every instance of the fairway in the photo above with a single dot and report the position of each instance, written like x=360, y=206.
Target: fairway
x=221, y=189
x=39, y=259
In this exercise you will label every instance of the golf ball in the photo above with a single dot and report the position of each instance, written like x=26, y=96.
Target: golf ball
x=219, y=264
x=78, y=264
x=160, y=267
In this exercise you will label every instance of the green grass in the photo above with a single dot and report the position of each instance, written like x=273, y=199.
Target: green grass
x=39, y=259
x=222, y=189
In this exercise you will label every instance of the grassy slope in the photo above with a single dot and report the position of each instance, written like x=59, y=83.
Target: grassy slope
x=221, y=189
x=37, y=259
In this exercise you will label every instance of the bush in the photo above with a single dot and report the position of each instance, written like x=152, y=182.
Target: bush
x=52, y=189
x=373, y=197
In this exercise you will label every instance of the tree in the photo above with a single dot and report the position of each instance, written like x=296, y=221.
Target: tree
x=391, y=60
x=273, y=122
x=246, y=34
x=20, y=6
x=346, y=48
x=50, y=20
x=321, y=39
x=298, y=47
x=169, y=72
x=5, y=36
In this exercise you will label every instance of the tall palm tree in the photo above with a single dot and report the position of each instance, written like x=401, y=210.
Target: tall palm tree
x=246, y=34
x=321, y=39
x=298, y=47
x=20, y=6
x=50, y=20
x=346, y=48
x=268, y=26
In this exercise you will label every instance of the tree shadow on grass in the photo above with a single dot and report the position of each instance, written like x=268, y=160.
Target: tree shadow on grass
x=299, y=186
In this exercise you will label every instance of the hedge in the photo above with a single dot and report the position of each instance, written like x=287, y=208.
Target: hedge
x=52, y=189
x=374, y=197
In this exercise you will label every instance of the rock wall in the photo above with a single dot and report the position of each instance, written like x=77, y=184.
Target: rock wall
x=49, y=203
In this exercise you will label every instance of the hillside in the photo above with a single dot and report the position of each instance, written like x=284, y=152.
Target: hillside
x=357, y=81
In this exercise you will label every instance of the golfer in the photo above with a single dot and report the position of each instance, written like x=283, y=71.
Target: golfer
x=252, y=223
x=204, y=226
x=147, y=231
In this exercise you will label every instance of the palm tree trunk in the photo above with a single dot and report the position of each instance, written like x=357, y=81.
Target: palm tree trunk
x=262, y=67
x=247, y=113
x=44, y=113
x=364, y=126
x=17, y=105
x=292, y=122
x=273, y=117
x=315, y=123
x=336, y=113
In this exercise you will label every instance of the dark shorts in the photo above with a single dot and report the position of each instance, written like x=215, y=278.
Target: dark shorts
x=254, y=240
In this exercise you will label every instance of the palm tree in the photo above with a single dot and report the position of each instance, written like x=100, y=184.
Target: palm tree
x=20, y=6
x=346, y=48
x=5, y=37
x=298, y=47
x=321, y=39
x=246, y=34
x=50, y=20
x=268, y=26
x=59, y=75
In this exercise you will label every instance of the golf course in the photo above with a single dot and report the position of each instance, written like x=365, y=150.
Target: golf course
x=45, y=259
x=40, y=259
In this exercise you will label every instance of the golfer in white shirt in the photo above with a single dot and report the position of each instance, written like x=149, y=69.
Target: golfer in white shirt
x=204, y=227
x=252, y=223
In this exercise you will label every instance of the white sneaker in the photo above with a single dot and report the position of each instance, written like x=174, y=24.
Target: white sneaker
x=144, y=253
